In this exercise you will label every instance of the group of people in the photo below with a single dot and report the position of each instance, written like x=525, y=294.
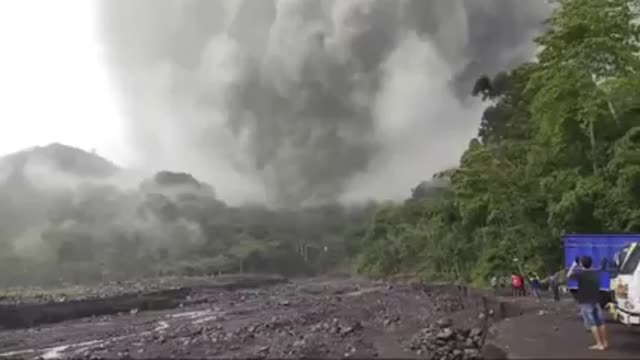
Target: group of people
x=519, y=284
x=587, y=295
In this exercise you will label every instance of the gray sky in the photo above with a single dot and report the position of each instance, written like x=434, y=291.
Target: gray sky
x=284, y=101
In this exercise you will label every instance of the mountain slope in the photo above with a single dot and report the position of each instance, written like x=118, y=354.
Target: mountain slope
x=58, y=157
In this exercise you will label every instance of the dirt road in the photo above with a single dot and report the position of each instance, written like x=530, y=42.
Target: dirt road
x=551, y=330
x=329, y=318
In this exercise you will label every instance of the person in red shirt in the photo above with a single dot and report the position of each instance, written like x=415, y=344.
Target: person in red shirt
x=516, y=284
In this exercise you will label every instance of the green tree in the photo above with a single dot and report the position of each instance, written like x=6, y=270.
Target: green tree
x=557, y=152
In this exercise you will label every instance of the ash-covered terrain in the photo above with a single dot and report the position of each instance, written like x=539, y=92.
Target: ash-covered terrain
x=269, y=318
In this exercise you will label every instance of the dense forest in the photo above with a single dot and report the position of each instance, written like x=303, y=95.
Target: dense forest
x=558, y=151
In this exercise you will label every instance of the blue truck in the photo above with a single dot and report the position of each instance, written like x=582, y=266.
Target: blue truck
x=620, y=279
x=599, y=247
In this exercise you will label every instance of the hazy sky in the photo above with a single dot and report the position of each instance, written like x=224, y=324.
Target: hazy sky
x=286, y=101
x=53, y=82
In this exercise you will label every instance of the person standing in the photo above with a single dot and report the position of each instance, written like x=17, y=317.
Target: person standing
x=588, y=297
x=523, y=288
x=534, y=280
x=494, y=285
x=516, y=284
x=555, y=288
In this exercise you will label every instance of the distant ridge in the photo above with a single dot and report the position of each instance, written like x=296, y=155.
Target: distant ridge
x=63, y=158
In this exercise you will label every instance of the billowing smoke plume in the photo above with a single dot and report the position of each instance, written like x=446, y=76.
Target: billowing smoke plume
x=302, y=101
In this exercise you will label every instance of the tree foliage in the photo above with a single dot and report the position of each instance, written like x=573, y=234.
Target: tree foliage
x=557, y=152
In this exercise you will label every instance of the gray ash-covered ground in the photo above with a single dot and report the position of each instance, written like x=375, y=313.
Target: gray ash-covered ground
x=321, y=317
x=39, y=295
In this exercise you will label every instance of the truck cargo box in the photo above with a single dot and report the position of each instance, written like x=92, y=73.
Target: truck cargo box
x=598, y=246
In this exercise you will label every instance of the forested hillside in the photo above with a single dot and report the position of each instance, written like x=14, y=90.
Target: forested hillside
x=558, y=151
x=59, y=224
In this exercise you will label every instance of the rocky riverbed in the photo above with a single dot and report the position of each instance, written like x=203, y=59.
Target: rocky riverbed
x=319, y=318
x=71, y=292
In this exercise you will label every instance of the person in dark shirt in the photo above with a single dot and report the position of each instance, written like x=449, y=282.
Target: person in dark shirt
x=536, y=286
x=588, y=297
x=523, y=289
